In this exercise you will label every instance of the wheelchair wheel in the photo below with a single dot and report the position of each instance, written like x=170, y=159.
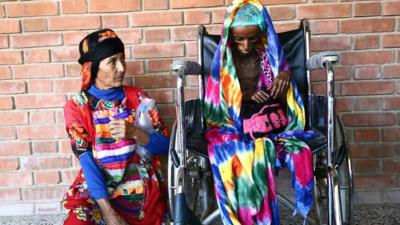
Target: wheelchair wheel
x=342, y=177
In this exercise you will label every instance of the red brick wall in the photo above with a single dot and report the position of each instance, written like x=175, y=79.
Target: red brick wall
x=38, y=72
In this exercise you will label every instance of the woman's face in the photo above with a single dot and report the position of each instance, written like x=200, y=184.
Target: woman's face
x=245, y=38
x=111, y=72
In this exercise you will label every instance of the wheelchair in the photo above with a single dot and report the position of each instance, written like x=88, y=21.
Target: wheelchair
x=190, y=183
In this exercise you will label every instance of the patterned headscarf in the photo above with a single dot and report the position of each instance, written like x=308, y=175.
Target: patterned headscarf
x=95, y=47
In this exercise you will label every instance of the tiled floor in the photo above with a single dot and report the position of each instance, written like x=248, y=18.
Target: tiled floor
x=364, y=215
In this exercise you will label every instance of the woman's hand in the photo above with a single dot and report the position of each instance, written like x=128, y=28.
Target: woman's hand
x=260, y=96
x=280, y=86
x=108, y=214
x=120, y=128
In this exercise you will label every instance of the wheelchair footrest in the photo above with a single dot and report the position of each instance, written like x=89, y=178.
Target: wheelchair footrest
x=183, y=215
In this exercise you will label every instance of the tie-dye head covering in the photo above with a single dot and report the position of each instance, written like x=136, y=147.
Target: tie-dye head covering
x=95, y=47
x=223, y=95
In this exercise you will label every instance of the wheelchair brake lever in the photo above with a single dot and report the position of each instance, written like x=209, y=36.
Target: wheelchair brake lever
x=175, y=158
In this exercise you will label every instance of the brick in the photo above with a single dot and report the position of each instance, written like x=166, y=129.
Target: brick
x=195, y=4
x=375, y=181
x=36, y=55
x=35, y=40
x=156, y=35
x=191, y=49
x=369, y=134
x=390, y=196
x=45, y=162
x=4, y=41
x=217, y=16
x=40, y=132
x=391, y=134
x=10, y=57
x=283, y=27
x=14, y=148
x=32, y=25
x=67, y=86
x=75, y=6
x=330, y=43
x=40, y=86
x=155, y=4
x=369, y=119
x=161, y=65
x=197, y=17
x=391, y=41
x=324, y=27
x=116, y=6
x=8, y=165
x=60, y=117
x=155, y=81
x=41, y=117
x=161, y=96
x=12, y=87
x=39, y=101
x=5, y=72
x=324, y=11
x=391, y=71
x=47, y=208
x=391, y=8
x=156, y=19
x=74, y=37
x=344, y=105
x=16, y=209
x=64, y=146
x=367, y=72
x=44, y=147
x=367, y=9
x=367, y=88
x=272, y=2
x=367, y=57
x=2, y=14
x=29, y=9
x=367, y=25
x=158, y=50
x=68, y=176
x=10, y=195
x=47, y=177
x=115, y=21
x=7, y=133
x=8, y=26
x=374, y=150
x=130, y=36
x=6, y=103
x=282, y=13
x=167, y=110
x=13, y=118
x=391, y=165
x=367, y=42
x=67, y=54
x=367, y=104
x=15, y=179
x=73, y=70
x=38, y=71
x=185, y=34
x=43, y=193
x=74, y=22
x=367, y=165
x=134, y=67
x=391, y=103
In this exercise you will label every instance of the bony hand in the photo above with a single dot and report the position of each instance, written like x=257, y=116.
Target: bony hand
x=120, y=128
x=280, y=85
x=108, y=214
x=260, y=96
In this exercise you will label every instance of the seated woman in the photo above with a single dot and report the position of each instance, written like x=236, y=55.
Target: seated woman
x=255, y=116
x=116, y=133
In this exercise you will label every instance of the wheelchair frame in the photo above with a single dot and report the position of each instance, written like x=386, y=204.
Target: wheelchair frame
x=178, y=169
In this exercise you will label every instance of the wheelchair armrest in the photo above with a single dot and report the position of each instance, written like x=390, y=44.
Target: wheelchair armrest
x=319, y=60
x=186, y=67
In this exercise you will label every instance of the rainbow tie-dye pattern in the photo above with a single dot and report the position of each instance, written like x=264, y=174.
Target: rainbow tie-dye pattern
x=243, y=168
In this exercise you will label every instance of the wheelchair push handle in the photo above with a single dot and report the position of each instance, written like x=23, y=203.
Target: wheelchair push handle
x=319, y=60
x=185, y=66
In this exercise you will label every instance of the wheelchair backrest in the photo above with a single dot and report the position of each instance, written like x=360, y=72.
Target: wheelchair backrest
x=293, y=43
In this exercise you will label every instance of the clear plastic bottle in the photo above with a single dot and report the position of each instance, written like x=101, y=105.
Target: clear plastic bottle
x=143, y=121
